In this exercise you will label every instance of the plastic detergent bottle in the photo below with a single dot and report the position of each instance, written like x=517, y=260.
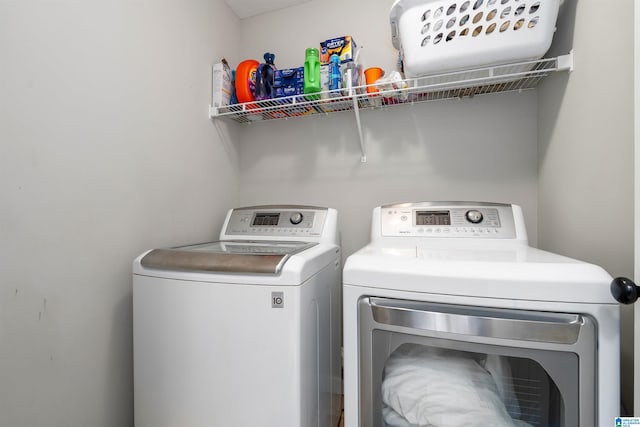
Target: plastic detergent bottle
x=234, y=97
x=264, y=77
x=350, y=70
x=335, y=78
x=246, y=80
x=312, y=72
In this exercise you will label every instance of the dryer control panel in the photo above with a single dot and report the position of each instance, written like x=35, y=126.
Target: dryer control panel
x=448, y=220
x=276, y=221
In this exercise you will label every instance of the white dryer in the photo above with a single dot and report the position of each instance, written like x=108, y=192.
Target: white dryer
x=245, y=331
x=451, y=319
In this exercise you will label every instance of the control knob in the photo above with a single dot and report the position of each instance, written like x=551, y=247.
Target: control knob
x=474, y=216
x=296, y=218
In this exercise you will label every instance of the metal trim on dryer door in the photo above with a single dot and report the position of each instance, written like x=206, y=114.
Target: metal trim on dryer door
x=564, y=345
x=558, y=328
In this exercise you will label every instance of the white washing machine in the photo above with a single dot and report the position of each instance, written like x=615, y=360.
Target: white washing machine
x=451, y=319
x=245, y=331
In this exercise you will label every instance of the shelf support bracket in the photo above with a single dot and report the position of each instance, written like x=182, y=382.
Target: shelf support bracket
x=356, y=110
x=565, y=62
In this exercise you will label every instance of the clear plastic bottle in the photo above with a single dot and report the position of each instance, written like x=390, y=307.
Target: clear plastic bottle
x=335, y=77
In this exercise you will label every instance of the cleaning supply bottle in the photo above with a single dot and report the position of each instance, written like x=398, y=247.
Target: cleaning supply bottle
x=234, y=96
x=335, y=77
x=312, y=73
x=246, y=80
x=264, y=77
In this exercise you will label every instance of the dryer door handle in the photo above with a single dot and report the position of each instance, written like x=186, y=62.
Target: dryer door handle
x=560, y=328
x=624, y=290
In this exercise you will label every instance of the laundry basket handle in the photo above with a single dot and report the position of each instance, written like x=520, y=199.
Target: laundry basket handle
x=624, y=290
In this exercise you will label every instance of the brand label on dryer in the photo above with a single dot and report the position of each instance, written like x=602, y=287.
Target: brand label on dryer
x=277, y=299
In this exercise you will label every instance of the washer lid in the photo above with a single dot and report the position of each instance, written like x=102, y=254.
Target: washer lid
x=228, y=256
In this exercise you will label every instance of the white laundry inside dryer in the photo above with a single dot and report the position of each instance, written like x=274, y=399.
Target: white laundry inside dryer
x=429, y=386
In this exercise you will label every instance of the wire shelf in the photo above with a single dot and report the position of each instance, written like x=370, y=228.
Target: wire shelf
x=464, y=84
x=456, y=85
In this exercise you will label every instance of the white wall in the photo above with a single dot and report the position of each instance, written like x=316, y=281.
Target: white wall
x=106, y=150
x=288, y=32
x=483, y=148
x=586, y=148
x=480, y=149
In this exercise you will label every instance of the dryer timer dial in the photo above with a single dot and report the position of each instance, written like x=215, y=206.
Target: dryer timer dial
x=474, y=216
x=296, y=218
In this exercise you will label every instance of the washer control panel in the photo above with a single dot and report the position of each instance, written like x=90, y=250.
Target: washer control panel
x=293, y=221
x=448, y=220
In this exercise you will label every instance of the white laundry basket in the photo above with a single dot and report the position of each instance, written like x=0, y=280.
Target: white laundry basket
x=449, y=35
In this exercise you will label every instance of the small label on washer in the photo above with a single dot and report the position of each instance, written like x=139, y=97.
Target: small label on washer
x=627, y=421
x=277, y=299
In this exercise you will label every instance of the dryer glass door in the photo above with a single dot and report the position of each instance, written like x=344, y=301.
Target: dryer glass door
x=424, y=364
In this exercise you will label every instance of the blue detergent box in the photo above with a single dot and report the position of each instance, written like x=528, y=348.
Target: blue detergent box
x=288, y=82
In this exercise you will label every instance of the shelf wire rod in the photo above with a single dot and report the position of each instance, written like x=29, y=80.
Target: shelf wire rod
x=356, y=110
